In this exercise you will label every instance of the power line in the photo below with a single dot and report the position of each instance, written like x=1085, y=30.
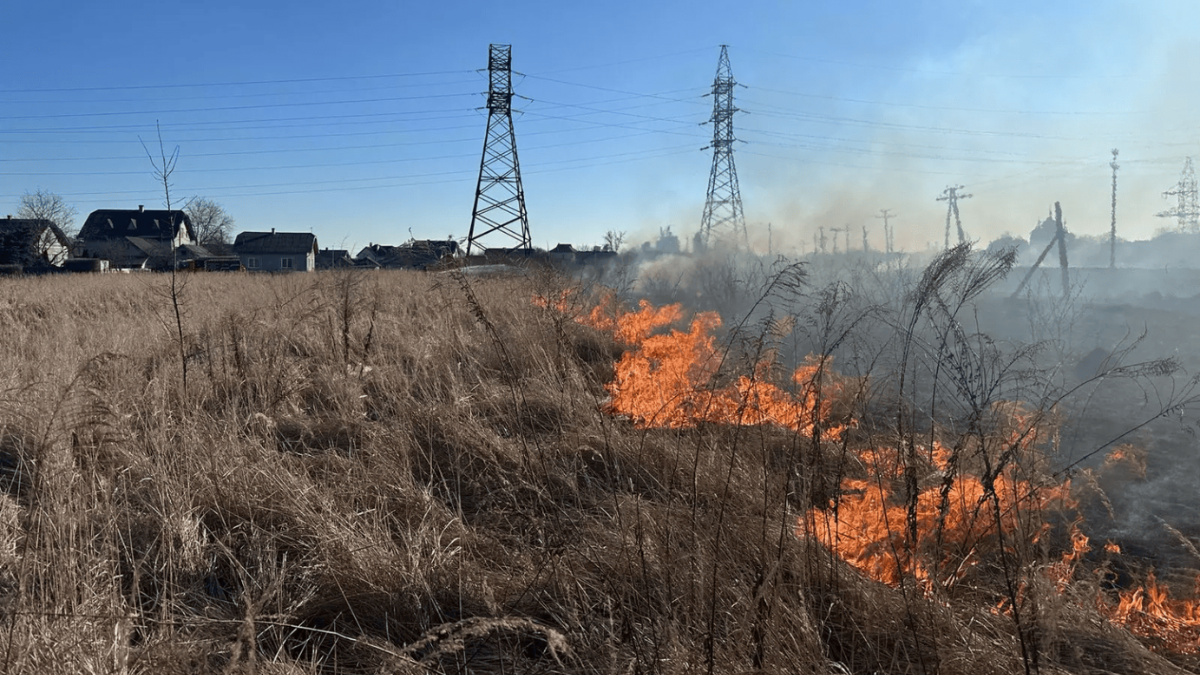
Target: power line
x=539, y=167
x=919, y=71
x=174, y=97
x=186, y=126
x=919, y=106
x=243, y=83
x=262, y=106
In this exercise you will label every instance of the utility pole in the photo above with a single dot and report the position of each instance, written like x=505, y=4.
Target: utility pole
x=847, y=231
x=1187, y=212
x=723, y=217
x=1112, y=233
x=835, y=231
x=1059, y=238
x=887, y=230
x=1060, y=229
x=950, y=195
x=866, y=246
x=823, y=240
x=499, y=197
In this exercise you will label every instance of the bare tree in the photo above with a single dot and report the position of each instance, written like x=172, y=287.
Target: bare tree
x=212, y=224
x=46, y=205
x=613, y=240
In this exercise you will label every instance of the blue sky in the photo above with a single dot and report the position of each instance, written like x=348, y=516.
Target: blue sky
x=362, y=123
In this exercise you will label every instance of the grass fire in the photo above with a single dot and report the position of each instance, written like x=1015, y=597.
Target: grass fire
x=402, y=472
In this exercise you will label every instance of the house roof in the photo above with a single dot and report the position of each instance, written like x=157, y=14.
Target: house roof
x=151, y=247
x=131, y=252
x=194, y=251
x=420, y=255
x=297, y=243
x=19, y=238
x=334, y=257
x=147, y=224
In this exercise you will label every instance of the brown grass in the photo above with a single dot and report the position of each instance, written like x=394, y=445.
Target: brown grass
x=409, y=473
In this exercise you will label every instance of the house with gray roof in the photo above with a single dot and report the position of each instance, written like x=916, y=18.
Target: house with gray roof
x=277, y=251
x=30, y=243
x=132, y=239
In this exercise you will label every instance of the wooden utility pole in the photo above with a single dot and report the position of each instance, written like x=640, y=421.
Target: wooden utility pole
x=1060, y=238
x=1062, y=249
x=951, y=196
x=888, y=240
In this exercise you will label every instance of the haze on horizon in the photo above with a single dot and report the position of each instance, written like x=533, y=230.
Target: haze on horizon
x=365, y=125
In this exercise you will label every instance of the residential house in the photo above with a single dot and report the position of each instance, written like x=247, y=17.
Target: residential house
x=334, y=258
x=416, y=254
x=136, y=239
x=31, y=243
x=277, y=251
x=563, y=254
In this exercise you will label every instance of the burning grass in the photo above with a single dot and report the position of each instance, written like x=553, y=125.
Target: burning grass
x=407, y=473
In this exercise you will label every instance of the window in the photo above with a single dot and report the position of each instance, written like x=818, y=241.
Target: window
x=285, y=263
x=251, y=263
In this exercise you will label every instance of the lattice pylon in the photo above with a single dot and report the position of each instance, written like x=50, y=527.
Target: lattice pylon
x=723, y=220
x=1187, y=213
x=499, y=210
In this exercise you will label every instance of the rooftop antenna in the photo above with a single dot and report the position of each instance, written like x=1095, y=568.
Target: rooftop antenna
x=499, y=197
x=723, y=217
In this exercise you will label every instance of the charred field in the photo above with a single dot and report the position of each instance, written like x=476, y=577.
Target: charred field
x=746, y=468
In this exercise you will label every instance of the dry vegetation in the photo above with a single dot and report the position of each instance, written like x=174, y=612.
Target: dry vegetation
x=405, y=473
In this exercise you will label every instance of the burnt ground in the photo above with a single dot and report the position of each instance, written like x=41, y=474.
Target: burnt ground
x=1135, y=507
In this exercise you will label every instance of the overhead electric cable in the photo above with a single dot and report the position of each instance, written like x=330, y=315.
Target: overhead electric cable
x=243, y=83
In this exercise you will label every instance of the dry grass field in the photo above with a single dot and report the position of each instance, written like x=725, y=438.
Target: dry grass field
x=403, y=473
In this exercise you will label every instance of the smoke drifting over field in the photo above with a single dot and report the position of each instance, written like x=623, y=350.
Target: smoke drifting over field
x=1105, y=363
x=1022, y=112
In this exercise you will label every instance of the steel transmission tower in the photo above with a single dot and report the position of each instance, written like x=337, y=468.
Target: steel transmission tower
x=499, y=197
x=723, y=217
x=950, y=194
x=1187, y=213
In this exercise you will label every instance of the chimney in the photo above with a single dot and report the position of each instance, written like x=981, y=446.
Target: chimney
x=272, y=230
x=141, y=208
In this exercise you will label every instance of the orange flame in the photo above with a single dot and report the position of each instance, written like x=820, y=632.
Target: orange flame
x=1130, y=456
x=869, y=530
x=669, y=379
x=1149, y=611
